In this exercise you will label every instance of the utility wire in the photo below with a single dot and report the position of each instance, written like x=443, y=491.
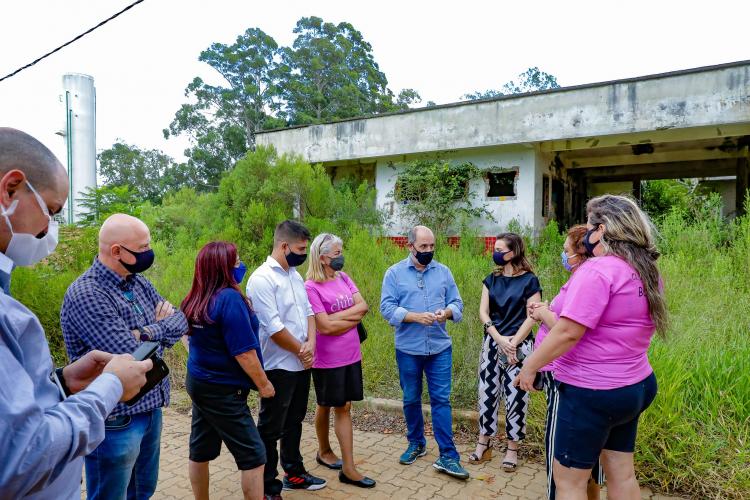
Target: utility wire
x=71, y=41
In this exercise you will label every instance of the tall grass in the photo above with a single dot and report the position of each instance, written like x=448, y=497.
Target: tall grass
x=695, y=438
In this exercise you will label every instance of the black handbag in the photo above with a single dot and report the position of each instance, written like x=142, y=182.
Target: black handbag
x=362, y=332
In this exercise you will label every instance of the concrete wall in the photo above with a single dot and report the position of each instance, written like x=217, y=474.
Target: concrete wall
x=525, y=207
x=709, y=98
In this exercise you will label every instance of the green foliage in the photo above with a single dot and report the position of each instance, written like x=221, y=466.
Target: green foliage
x=222, y=119
x=437, y=194
x=531, y=80
x=331, y=74
x=262, y=190
x=408, y=98
x=100, y=203
x=150, y=173
x=658, y=197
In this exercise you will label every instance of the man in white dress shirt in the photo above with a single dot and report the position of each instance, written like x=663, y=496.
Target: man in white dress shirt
x=287, y=338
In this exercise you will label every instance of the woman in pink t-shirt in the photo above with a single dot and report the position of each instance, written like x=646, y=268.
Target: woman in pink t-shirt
x=573, y=255
x=337, y=367
x=613, y=305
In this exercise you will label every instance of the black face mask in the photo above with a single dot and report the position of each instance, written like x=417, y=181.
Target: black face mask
x=143, y=260
x=424, y=258
x=295, y=259
x=337, y=263
x=499, y=258
x=587, y=244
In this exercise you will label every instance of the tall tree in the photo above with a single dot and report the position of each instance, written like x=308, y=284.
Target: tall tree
x=222, y=120
x=150, y=173
x=99, y=203
x=531, y=80
x=331, y=74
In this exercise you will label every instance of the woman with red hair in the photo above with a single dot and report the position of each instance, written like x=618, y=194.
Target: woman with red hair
x=572, y=256
x=224, y=363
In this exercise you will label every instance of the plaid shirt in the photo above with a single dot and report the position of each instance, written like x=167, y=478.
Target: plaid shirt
x=101, y=309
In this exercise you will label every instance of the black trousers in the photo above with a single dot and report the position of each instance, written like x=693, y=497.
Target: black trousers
x=281, y=418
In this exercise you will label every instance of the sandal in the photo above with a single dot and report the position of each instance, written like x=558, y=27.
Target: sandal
x=486, y=454
x=509, y=466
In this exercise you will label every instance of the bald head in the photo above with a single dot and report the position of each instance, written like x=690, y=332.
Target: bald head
x=20, y=151
x=122, y=231
x=421, y=239
x=418, y=232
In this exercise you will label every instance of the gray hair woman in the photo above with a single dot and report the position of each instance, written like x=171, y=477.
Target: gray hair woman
x=337, y=368
x=611, y=308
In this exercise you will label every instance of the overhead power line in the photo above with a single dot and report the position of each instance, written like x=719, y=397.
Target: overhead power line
x=71, y=41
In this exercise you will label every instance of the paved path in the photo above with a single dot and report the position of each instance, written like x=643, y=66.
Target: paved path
x=376, y=455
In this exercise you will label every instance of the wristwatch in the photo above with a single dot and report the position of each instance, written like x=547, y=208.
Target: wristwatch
x=144, y=335
x=59, y=380
x=487, y=325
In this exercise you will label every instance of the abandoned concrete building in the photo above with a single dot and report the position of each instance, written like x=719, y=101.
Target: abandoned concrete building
x=545, y=153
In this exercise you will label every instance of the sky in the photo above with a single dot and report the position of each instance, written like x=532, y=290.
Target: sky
x=143, y=60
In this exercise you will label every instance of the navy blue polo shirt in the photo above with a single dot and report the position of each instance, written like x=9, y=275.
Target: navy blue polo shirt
x=213, y=347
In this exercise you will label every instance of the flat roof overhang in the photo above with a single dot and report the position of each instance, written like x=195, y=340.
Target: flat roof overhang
x=698, y=104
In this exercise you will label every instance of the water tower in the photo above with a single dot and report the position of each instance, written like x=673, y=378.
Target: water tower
x=80, y=139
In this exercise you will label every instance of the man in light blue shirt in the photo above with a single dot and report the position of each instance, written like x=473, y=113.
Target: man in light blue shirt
x=418, y=297
x=49, y=419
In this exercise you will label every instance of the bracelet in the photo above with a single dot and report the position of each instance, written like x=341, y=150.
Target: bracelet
x=487, y=325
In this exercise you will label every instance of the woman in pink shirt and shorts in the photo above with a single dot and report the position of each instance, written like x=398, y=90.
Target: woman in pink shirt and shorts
x=613, y=305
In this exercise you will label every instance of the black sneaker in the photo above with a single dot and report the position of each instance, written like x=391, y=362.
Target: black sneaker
x=304, y=482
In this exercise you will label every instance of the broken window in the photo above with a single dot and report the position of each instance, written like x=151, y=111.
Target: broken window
x=501, y=184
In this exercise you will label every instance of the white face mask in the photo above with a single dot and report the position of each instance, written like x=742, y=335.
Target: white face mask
x=26, y=249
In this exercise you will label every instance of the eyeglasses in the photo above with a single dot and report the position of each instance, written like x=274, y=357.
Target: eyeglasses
x=420, y=282
x=130, y=297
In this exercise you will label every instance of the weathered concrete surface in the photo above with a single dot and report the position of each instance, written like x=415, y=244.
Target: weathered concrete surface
x=376, y=456
x=715, y=99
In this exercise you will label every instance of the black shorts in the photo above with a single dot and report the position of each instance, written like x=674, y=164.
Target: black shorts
x=220, y=413
x=337, y=386
x=590, y=420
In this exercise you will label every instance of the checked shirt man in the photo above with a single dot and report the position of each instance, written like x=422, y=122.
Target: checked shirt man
x=113, y=308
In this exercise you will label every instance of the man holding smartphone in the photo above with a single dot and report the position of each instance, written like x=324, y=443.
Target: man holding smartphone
x=49, y=419
x=113, y=307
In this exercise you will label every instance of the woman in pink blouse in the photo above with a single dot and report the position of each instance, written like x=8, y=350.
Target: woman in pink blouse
x=613, y=305
x=337, y=367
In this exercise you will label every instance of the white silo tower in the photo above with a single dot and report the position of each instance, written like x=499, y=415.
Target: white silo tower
x=80, y=139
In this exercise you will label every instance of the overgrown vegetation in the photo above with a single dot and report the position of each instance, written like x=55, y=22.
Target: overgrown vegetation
x=695, y=439
x=437, y=193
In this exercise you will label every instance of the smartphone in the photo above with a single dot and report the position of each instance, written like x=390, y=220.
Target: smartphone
x=148, y=350
x=538, y=382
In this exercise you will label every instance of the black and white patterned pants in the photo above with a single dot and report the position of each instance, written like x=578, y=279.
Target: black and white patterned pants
x=550, y=391
x=493, y=377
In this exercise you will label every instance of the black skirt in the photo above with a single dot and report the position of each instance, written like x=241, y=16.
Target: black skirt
x=337, y=386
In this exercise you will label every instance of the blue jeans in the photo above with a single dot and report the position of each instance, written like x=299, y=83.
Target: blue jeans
x=438, y=370
x=126, y=463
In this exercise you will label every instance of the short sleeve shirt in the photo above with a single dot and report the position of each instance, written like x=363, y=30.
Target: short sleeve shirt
x=213, y=346
x=508, y=296
x=606, y=296
x=330, y=297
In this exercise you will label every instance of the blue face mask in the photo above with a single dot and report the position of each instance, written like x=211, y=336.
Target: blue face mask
x=566, y=262
x=239, y=272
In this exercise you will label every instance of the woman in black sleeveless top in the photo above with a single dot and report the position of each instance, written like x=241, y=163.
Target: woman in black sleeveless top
x=505, y=294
